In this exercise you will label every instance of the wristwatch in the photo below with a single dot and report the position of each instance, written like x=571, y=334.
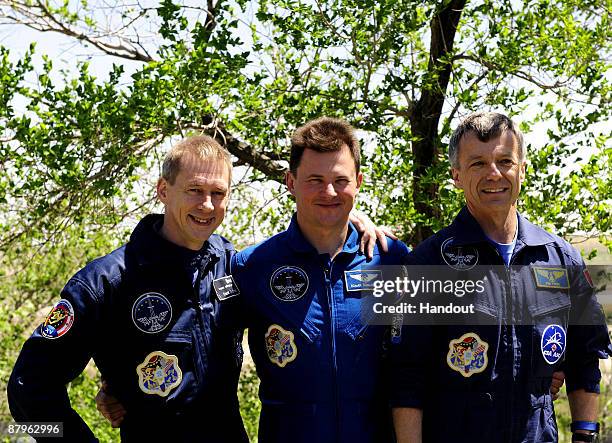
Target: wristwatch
x=590, y=435
x=586, y=438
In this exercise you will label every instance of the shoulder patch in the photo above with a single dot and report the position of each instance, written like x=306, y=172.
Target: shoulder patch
x=289, y=283
x=159, y=374
x=547, y=277
x=151, y=312
x=461, y=258
x=361, y=279
x=468, y=354
x=553, y=343
x=225, y=287
x=59, y=320
x=280, y=346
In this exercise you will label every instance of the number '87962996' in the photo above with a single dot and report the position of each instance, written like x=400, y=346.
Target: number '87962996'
x=38, y=429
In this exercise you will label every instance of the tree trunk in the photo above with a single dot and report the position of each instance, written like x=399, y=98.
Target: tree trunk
x=424, y=122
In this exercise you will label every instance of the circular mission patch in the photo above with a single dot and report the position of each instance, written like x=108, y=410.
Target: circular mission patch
x=59, y=321
x=461, y=258
x=553, y=343
x=151, y=312
x=289, y=283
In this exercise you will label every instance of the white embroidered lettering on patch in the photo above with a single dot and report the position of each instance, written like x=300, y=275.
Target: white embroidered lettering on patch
x=361, y=279
x=151, y=312
x=553, y=343
x=461, y=258
x=289, y=283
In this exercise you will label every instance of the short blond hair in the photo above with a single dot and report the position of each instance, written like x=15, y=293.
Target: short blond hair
x=200, y=146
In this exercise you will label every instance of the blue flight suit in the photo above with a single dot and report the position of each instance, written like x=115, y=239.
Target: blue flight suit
x=319, y=364
x=490, y=381
x=148, y=316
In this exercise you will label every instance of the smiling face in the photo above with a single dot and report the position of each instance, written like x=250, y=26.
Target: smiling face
x=195, y=203
x=490, y=174
x=324, y=185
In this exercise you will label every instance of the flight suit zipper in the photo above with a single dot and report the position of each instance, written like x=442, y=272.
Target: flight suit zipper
x=511, y=312
x=203, y=269
x=330, y=302
x=508, y=302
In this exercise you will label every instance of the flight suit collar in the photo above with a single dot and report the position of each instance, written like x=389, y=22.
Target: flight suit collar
x=299, y=243
x=468, y=231
x=154, y=249
x=532, y=235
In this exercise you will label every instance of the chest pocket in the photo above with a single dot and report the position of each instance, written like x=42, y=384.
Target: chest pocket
x=549, y=314
x=290, y=317
x=283, y=297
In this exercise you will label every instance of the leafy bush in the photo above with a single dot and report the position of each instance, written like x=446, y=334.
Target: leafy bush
x=249, y=400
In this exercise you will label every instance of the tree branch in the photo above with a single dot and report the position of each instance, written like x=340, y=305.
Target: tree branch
x=520, y=74
x=40, y=18
x=246, y=154
x=451, y=116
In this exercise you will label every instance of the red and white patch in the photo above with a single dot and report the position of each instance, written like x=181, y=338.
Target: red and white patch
x=59, y=321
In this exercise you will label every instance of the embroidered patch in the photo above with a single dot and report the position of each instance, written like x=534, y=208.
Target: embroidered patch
x=360, y=280
x=553, y=343
x=468, y=354
x=159, y=374
x=59, y=321
x=280, y=345
x=289, y=283
x=587, y=276
x=151, y=312
x=551, y=277
x=225, y=287
x=461, y=258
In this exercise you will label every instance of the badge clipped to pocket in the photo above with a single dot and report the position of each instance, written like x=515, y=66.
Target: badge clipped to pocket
x=225, y=288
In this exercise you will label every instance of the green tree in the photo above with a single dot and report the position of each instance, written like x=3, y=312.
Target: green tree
x=249, y=72
x=78, y=154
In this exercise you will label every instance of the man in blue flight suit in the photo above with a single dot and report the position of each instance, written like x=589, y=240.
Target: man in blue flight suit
x=491, y=382
x=148, y=315
x=319, y=363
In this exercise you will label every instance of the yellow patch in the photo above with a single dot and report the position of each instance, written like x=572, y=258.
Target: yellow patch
x=280, y=346
x=468, y=354
x=555, y=278
x=159, y=374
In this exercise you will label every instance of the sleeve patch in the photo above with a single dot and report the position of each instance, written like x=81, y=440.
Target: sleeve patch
x=59, y=321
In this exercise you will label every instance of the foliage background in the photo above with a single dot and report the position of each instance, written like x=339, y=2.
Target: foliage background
x=81, y=136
